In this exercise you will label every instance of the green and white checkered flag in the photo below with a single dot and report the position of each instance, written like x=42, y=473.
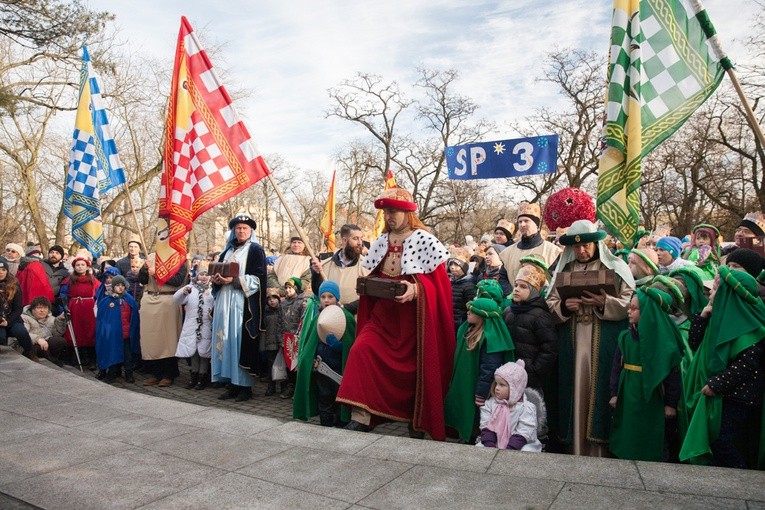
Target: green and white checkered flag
x=665, y=61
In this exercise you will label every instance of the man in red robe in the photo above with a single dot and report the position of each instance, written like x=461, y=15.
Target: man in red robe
x=400, y=365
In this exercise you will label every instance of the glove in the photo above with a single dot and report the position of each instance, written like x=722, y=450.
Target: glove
x=333, y=343
x=67, y=314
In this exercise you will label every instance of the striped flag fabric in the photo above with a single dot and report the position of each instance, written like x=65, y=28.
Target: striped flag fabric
x=94, y=163
x=664, y=62
x=208, y=155
x=390, y=182
x=327, y=225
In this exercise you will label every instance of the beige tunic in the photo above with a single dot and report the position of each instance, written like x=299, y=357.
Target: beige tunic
x=160, y=321
x=512, y=255
x=587, y=337
x=290, y=265
x=345, y=277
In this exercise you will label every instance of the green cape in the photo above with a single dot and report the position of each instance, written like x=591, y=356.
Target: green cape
x=459, y=406
x=305, y=402
x=737, y=323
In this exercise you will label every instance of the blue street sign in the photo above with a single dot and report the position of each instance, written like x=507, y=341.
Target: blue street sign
x=504, y=158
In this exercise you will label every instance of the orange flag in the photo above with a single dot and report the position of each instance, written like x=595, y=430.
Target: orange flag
x=390, y=182
x=208, y=155
x=327, y=226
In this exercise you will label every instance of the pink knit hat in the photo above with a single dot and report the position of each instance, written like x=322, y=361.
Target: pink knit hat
x=516, y=377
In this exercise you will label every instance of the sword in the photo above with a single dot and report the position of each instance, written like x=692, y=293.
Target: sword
x=324, y=369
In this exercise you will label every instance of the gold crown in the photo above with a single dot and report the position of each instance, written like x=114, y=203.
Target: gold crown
x=528, y=209
x=532, y=274
x=503, y=223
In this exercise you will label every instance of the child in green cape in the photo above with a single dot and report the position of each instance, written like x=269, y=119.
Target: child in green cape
x=483, y=345
x=645, y=379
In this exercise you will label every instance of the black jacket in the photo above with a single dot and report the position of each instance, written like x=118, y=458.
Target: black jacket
x=463, y=290
x=532, y=328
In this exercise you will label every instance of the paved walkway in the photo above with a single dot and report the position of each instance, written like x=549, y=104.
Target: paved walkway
x=72, y=442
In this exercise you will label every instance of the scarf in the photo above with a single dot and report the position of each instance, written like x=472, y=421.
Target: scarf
x=527, y=243
x=200, y=309
x=499, y=423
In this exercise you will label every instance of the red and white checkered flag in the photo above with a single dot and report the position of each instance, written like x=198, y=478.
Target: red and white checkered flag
x=208, y=155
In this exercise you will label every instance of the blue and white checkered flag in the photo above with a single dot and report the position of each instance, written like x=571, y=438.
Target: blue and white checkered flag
x=94, y=164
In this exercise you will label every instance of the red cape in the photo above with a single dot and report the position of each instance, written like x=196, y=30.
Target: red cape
x=400, y=365
x=34, y=282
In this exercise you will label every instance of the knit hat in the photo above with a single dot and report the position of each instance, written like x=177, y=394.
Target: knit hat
x=506, y=227
x=533, y=275
x=485, y=238
x=566, y=206
x=84, y=259
x=15, y=247
x=331, y=287
x=57, y=248
x=673, y=245
x=331, y=320
x=516, y=377
x=498, y=247
x=646, y=260
x=396, y=198
x=297, y=282
x=33, y=251
x=4, y=264
x=530, y=210
x=459, y=262
x=119, y=280
x=750, y=260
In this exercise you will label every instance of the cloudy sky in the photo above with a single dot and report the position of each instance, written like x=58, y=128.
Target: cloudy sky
x=289, y=52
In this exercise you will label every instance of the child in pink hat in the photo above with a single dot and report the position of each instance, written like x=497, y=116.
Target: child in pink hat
x=508, y=418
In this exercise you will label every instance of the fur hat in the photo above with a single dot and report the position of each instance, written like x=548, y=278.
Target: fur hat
x=506, y=227
x=566, y=206
x=750, y=260
x=331, y=287
x=516, y=377
x=396, y=198
x=331, y=320
x=242, y=218
x=532, y=274
x=582, y=231
x=671, y=244
x=530, y=210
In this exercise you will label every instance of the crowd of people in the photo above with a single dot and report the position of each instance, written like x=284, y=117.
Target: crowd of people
x=569, y=344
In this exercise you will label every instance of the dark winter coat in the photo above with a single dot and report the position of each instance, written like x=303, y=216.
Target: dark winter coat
x=463, y=290
x=532, y=328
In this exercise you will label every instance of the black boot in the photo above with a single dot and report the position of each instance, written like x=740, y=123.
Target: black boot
x=231, y=392
x=193, y=381
x=204, y=380
x=271, y=389
x=245, y=393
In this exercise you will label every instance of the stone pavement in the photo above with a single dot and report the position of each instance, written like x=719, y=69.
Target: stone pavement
x=72, y=442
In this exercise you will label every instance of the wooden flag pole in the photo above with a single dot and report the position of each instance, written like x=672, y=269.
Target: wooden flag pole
x=747, y=109
x=135, y=218
x=294, y=222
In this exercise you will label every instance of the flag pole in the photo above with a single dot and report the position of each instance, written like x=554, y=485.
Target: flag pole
x=749, y=113
x=135, y=218
x=294, y=222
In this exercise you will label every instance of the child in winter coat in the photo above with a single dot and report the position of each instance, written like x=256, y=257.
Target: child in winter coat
x=509, y=418
x=532, y=326
x=273, y=337
x=293, y=308
x=315, y=393
x=645, y=379
x=117, y=332
x=195, y=341
x=724, y=387
x=45, y=330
